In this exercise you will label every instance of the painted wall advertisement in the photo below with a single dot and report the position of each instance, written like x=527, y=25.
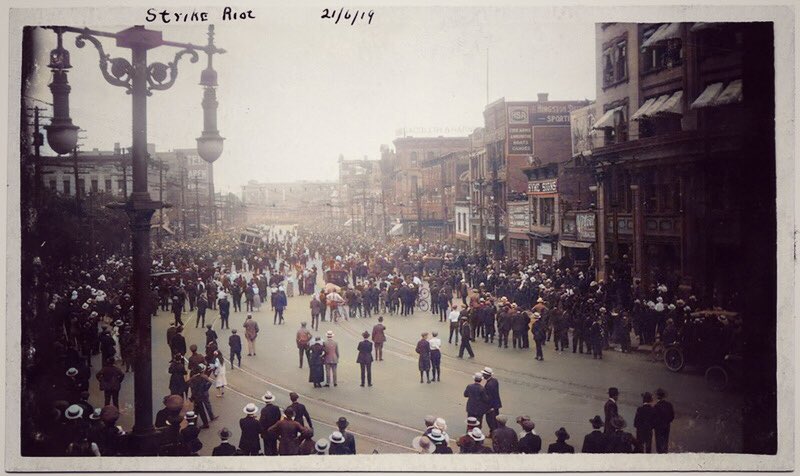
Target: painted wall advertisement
x=520, y=140
x=583, y=137
x=585, y=224
x=518, y=217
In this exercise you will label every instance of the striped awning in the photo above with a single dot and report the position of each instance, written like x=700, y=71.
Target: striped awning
x=607, y=120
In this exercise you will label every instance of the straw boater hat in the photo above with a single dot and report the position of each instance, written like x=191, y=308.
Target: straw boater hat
x=72, y=372
x=321, y=446
x=191, y=416
x=423, y=444
x=436, y=435
x=487, y=371
x=95, y=414
x=250, y=409
x=329, y=333
x=337, y=437
x=476, y=434
x=73, y=412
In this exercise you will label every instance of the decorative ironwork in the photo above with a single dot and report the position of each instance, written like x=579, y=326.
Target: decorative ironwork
x=120, y=72
x=162, y=76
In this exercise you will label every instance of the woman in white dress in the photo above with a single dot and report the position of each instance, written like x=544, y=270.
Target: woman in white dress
x=256, y=298
x=220, y=380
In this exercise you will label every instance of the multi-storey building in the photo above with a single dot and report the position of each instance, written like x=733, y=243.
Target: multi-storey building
x=286, y=202
x=444, y=181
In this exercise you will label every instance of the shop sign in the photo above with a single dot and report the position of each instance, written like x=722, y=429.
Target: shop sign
x=585, y=224
x=518, y=216
x=545, y=249
x=543, y=186
x=520, y=141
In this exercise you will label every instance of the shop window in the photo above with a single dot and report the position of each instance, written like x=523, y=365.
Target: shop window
x=546, y=211
x=81, y=186
x=619, y=131
x=534, y=206
x=108, y=186
x=52, y=185
x=95, y=186
x=67, y=187
x=120, y=186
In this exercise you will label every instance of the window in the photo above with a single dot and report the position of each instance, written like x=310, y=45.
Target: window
x=120, y=186
x=53, y=185
x=615, y=63
x=81, y=188
x=546, y=211
x=95, y=186
x=413, y=158
x=619, y=131
x=108, y=186
x=67, y=188
x=534, y=206
x=662, y=54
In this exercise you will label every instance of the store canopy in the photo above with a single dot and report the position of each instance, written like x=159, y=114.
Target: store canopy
x=666, y=31
x=642, y=111
x=673, y=105
x=706, y=98
x=396, y=230
x=700, y=26
x=656, y=106
x=732, y=94
x=490, y=236
x=607, y=120
x=575, y=244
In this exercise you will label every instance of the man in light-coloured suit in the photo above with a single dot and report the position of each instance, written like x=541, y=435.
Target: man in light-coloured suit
x=330, y=358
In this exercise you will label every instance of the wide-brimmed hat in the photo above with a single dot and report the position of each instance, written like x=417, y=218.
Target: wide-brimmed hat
x=342, y=421
x=191, y=416
x=562, y=434
x=618, y=422
x=436, y=435
x=321, y=446
x=250, y=409
x=365, y=334
x=95, y=414
x=476, y=434
x=337, y=437
x=72, y=371
x=329, y=333
x=73, y=412
x=487, y=371
x=596, y=422
x=423, y=444
x=268, y=397
x=472, y=421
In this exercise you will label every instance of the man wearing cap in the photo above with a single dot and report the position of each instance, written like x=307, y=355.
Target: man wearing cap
x=436, y=356
x=110, y=378
x=251, y=429
x=378, y=338
x=195, y=359
x=178, y=342
x=504, y=439
x=199, y=383
x=466, y=338
x=330, y=358
x=424, y=363
x=224, y=448
x=302, y=338
x=279, y=302
x=664, y=414
x=250, y=333
x=300, y=412
x=610, y=408
x=235, y=344
x=539, y=330
x=595, y=442
x=644, y=421
x=270, y=415
x=364, y=358
x=477, y=399
x=529, y=441
x=349, y=438
x=492, y=388
x=211, y=334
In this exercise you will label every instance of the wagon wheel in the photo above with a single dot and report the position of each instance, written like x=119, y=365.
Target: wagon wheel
x=423, y=305
x=423, y=292
x=717, y=378
x=657, y=354
x=674, y=359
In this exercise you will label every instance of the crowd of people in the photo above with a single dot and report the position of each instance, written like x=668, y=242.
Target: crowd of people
x=90, y=312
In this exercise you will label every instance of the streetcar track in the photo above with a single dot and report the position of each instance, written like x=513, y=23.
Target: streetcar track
x=326, y=423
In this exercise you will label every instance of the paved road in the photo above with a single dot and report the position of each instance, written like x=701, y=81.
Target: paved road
x=565, y=389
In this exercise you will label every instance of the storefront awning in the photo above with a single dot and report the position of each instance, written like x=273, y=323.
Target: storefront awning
x=731, y=94
x=642, y=111
x=396, y=230
x=706, y=98
x=575, y=244
x=700, y=26
x=656, y=106
x=666, y=31
x=673, y=105
x=490, y=236
x=607, y=120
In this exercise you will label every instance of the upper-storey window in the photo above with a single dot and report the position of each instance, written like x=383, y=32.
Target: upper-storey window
x=662, y=47
x=615, y=63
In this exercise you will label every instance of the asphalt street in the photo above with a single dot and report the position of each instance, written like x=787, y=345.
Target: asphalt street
x=565, y=389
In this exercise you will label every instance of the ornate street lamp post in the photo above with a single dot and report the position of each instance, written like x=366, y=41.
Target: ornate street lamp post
x=139, y=79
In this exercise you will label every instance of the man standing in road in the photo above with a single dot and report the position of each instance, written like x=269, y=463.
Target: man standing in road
x=280, y=303
x=492, y=388
x=610, y=409
x=378, y=338
x=300, y=412
x=224, y=311
x=477, y=400
x=302, y=339
x=202, y=305
x=316, y=308
x=365, y=358
x=466, y=337
x=250, y=334
x=664, y=414
x=270, y=415
x=331, y=359
x=235, y=343
x=248, y=441
x=453, y=318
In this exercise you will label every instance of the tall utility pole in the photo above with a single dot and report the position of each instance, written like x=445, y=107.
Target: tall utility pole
x=160, y=165
x=419, y=213
x=182, y=172
x=76, y=175
x=495, y=158
x=197, y=202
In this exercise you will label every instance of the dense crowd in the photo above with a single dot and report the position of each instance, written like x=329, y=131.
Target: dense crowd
x=90, y=312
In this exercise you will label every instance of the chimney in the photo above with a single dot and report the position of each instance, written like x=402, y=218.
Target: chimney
x=542, y=97
x=116, y=148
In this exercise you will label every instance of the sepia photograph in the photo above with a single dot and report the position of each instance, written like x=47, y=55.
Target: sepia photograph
x=267, y=232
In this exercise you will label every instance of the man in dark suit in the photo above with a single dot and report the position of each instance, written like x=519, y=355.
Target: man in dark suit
x=224, y=448
x=365, y=358
x=190, y=433
x=251, y=428
x=610, y=408
x=664, y=414
x=300, y=413
x=504, y=439
x=270, y=415
x=224, y=312
x=287, y=431
x=530, y=443
x=492, y=388
x=595, y=442
x=561, y=446
x=477, y=400
x=466, y=337
x=235, y=343
x=349, y=438
x=644, y=422
x=178, y=342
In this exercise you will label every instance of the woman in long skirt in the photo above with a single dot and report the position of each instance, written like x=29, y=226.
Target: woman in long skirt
x=220, y=380
x=177, y=377
x=256, y=298
x=316, y=373
x=424, y=351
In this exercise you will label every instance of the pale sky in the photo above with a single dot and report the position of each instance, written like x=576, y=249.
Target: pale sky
x=296, y=90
